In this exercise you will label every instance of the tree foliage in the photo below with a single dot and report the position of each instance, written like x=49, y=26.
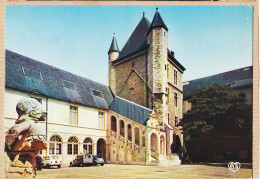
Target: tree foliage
x=217, y=110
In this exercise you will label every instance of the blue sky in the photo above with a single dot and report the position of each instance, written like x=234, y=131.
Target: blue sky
x=206, y=39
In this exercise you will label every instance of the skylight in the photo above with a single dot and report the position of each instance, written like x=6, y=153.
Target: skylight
x=32, y=73
x=69, y=85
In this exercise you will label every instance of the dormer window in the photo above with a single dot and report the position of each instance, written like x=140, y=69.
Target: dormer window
x=97, y=93
x=69, y=85
x=32, y=73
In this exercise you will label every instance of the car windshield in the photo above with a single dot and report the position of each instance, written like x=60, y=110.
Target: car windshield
x=54, y=157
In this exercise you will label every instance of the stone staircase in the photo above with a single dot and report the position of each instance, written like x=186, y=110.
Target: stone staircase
x=137, y=151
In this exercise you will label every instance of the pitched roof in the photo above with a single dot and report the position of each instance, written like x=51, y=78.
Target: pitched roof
x=26, y=74
x=130, y=110
x=114, y=46
x=238, y=77
x=157, y=22
x=138, y=39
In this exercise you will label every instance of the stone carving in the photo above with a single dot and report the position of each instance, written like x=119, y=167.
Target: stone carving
x=153, y=121
x=25, y=139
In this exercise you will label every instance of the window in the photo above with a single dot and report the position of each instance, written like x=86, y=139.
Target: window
x=175, y=77
x=88, y=146
x=38, y=99
x=97, y=93
x=175, y=99
x=73, y=146
x=100, y=120
x=32, y=73
x=55, y=145
x=69, y=85
x=73, y=116
x=167, y=71
x=176, y=121
x=242, y=95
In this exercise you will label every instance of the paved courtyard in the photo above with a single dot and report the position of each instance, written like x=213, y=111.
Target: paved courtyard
x=138, y=171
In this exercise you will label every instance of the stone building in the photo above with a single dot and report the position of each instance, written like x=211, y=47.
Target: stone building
x=228, y=145
x=146, y=72
x=133, y=120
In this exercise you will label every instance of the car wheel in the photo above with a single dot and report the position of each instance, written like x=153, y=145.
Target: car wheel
x=81, y=164
x=48, y=166
x=95, y=164
x=58, y=166
x=102, y=164
x=71, y=164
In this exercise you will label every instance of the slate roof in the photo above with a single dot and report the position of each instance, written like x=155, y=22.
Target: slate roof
x=138, y=39
x=114, y=46
x=157, y=22
x=51, y=84
x=237, y=78
x=130, y=110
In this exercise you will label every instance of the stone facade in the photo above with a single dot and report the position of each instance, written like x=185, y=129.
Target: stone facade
x=152, y=78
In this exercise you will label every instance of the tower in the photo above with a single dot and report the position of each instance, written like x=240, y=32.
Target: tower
x=113, y=55
x=157, y=65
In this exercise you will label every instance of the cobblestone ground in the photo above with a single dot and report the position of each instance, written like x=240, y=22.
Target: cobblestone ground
x=138, y=171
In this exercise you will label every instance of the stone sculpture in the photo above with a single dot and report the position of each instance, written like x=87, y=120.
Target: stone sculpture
x=25, y=139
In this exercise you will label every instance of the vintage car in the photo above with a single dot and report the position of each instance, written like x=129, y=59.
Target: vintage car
x=49, y=161
x=83, y=160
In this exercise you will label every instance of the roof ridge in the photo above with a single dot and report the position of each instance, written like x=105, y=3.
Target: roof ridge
x=221, y=73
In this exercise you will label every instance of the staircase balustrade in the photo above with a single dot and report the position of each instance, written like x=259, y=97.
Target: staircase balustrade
x=125, y=142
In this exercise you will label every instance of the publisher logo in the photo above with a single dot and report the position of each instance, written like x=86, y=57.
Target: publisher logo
x=234, y=166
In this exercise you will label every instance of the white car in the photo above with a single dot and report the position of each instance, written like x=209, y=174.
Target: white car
x=50, y=161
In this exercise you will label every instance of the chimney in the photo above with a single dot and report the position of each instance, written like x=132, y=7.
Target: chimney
x=172, y=53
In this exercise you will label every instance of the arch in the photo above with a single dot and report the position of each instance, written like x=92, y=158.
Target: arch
x=129, y=132
x=162, y=144
x=176, y=144
x=122, y=128
x=101, y=148
x=143, y=141
x=154, y=143
x=73, y=146
x=55, y=145
x=137, y=136
x=113, y=126
x=88, y=146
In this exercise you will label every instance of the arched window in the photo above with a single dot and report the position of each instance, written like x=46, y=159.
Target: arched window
x=122, y=128
x=55, y=145
x=129, y=132
x=88, y=146
x=73, y=146
x=137, y=136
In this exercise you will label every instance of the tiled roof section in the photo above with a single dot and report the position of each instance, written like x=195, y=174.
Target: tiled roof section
x=114, y=46
x=238, y=77
x=138, y=39
x=157, y=22
x=51, y=84
x=130, y=110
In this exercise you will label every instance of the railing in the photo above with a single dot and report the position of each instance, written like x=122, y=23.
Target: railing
x=124, y=141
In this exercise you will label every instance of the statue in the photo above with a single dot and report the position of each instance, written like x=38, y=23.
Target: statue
x=25, y=139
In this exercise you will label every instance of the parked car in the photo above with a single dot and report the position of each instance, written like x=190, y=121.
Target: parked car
x=50, y=161
x=83, y=160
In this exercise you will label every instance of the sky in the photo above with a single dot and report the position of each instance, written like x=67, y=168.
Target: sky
x=207, y=40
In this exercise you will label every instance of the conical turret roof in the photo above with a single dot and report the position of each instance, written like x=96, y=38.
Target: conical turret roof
x=113, y=46
x=157, y=22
